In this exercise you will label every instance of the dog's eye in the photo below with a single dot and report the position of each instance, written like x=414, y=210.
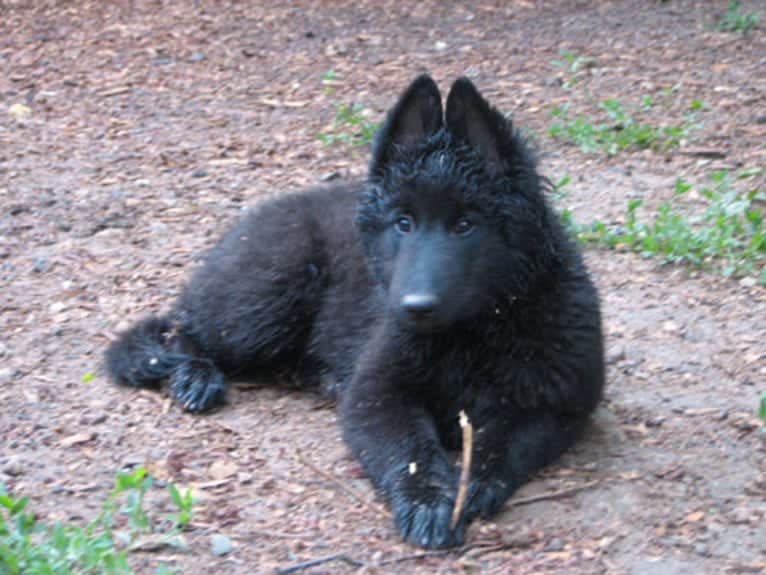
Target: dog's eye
x=464, y=226
x=404, y=224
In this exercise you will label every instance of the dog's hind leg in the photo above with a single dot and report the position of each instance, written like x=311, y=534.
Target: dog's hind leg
x=252, y=305
x=196, y=382
x=152, y=351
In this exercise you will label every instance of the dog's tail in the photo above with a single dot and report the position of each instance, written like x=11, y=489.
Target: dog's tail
x=141, y=356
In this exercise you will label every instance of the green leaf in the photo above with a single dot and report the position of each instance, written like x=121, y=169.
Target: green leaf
x=175, y=496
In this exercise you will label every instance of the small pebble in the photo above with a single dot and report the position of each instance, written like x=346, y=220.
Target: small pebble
x=40, y=265
x=96, y=418
x=57, y=307
x=13, y=467
x=701, y=549
x=220, y=544
x=329, y=176
x=740, y=515
x=748, y=282
x=245, y=478
x=555, y=545
x=615, y=353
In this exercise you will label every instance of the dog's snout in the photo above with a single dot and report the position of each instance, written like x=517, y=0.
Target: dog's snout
x=420, y=304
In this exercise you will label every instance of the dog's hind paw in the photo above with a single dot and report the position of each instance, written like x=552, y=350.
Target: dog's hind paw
x=197, y=385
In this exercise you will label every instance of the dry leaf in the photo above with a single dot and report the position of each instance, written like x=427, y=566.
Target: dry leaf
x=222, y=469
x=77, y=438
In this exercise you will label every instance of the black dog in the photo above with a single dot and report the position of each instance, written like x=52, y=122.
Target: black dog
x=443, y=283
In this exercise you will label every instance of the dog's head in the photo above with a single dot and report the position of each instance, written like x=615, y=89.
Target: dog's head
x=453, y=218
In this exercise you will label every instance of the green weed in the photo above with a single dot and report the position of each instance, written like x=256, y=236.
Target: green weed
x=621, y=130
x=30, y=547
x=183, y=503
x=351, y=126
x=727, y=235
x=570, y=63
x=557, y=187
x=733, y=20
x=328, y=82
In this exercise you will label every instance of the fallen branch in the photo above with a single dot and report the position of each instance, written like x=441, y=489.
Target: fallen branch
x=357, y=563
x=560, y=494
x=343, y=487
x=479, y=546
x=109, y=92
x=705, y=153
x=415, y=556
x=465, y=471
x=319, y=561
x=272, y=103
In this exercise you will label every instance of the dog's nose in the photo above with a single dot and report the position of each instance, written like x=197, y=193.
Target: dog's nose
x=420, y=304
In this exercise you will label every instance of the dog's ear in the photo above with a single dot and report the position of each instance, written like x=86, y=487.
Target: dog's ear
x=471, y=120
x=417, y=115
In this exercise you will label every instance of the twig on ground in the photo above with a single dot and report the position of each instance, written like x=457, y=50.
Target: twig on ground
x=318, y=561
x=270, y=533
x=465, y=471
x=416, y=556
x=357, y=563
x=343, y=487
x=561, y=493
x=109, y=92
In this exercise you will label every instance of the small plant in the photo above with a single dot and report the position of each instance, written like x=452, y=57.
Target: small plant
x=557, y=187
x=733, y=20
x=351, y=126
x=570, y=63
x=135, y=484
x=29, y=547
x=328, y=81
x=621, y=131
x=762, y=407
x=728, y=235
x=184, y=504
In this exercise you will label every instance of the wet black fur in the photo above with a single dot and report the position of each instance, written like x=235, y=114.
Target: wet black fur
x=443, y=283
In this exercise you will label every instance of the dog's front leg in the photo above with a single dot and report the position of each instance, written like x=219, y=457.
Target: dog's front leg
x=397, y=443
x=508, y=450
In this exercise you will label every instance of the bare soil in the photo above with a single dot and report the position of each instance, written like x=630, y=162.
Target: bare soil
x=151, y=125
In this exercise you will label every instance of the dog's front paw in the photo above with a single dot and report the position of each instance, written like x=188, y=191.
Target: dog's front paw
x=426, y=522
x=198, y=385
x=422, y=505
x=485, y=498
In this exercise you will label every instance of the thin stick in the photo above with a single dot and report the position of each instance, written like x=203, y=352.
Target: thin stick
x=465, y=471
x=416, y=556
x=335, y=481
x=561, y=493
x=318, y=561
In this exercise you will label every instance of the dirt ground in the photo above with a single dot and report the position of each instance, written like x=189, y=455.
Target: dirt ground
x=148, y=126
